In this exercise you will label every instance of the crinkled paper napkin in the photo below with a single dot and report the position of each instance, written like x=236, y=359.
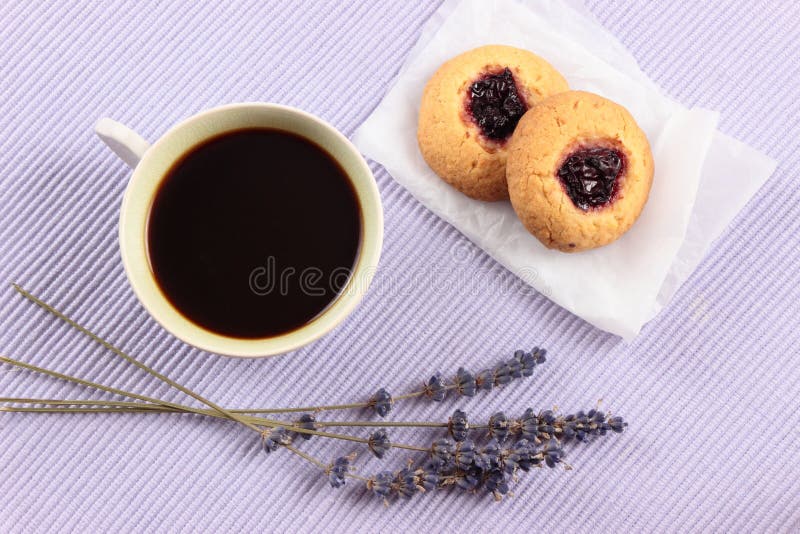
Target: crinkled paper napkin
x=702, y=179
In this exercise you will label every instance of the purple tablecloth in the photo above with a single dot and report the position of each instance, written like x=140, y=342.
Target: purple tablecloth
x=711, y=386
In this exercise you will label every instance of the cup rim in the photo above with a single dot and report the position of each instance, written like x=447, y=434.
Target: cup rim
x=152, y=169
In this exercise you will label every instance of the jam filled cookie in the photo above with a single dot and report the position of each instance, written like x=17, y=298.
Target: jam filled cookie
x=579, y=171
x=471, y=107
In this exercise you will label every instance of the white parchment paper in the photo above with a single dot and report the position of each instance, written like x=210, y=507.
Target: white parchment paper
x=618, y=287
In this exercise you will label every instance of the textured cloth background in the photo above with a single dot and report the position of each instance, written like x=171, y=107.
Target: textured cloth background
x=711, y=386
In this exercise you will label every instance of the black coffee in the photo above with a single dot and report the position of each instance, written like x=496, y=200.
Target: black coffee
x=254, y=233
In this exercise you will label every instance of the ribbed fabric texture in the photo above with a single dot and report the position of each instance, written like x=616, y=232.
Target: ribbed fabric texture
x=710, y=387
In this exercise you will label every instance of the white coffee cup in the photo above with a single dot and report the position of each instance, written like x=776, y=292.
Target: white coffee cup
x=151, y=163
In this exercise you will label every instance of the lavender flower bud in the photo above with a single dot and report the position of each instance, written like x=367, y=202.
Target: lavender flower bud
x=489, y=457
x=496, y=481
x=406, y=483
x=498, y=426
x=465, y=383
x=270, y=446
x=381, y=484
x=458, y=425
x=539, y=355
x=515, y=364
x=527, y=361
x=485, y=380
x=617, y=424
x=502, y=374
x=529, y=425
x=580, y=426
x=547, y=417
x=469, y=479
x=434, y=388
x=306, y=421
x=553, y=453
x=575, y=426
x=546, y=421
x=428, y=475
x=521, y=456
x=443, y=450
x=338, y=471
x=464, y=454
x=597, y=423
x=279, y=436
x=379, y=443
x=381, y=402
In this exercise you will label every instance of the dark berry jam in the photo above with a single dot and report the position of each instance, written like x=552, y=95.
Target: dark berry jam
x=590, y=176
x=495, y=104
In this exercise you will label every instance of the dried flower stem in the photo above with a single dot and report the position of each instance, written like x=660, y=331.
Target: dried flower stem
x=230, y=415
x=95, y=385
x=28, y=409
x=319, y=463
x=381, y=424
x=344, y=437
x=308, y=457
x=138, y=407
x=92, y=402
x=132, y=360
x=332, y=407
x=250, y=422
x=119, y=352
x=253, y=420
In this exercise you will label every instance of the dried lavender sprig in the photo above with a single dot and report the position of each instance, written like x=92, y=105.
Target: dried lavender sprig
x=339, y=468
x=521, y=364
x=274, y=425
x=464, y=382
x=541, y=425
x=251, y=421
x=465, y=466
x=578, y=426
x=467, y=476
x=305, y=426
x=336, y=472
x=144, y=407
x=343, y=437
x=102, y=406
x=493, y=467
x=378, y=442
x=130, y=359
x=435, y=388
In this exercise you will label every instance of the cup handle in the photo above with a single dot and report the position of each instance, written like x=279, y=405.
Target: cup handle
x=127, y=144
